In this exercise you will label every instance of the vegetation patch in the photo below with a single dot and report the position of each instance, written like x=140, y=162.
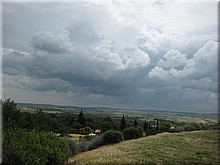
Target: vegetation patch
x=112, y=136
x=33, y=147
x=196, y=147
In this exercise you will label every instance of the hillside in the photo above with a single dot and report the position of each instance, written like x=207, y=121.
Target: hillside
x=186, y=148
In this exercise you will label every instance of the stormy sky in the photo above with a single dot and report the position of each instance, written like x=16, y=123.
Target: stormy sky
x=154, y=54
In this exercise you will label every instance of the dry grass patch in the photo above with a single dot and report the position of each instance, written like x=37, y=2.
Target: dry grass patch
x=186, y=148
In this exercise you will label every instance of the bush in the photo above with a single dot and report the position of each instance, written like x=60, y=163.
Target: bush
x=189, y=127
x=112, y=136
x=71, y=145
x=75, y=147
x=165, y=127
x=179, y=129
x=83, y=146
x=197, y=125
x=98, y=141
x=192, y=126
x=133, y=132
x=32, y=147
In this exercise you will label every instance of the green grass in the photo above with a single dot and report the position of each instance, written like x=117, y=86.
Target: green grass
x=186, y=148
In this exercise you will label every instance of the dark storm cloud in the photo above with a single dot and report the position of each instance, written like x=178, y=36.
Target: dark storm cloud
x=108, y=52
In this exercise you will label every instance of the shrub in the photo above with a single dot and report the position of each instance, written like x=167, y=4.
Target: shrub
x=133, y=132
x=83, y=146
x=188, y=127
x=179, y=129
x=197, y=125
x=112, y=136
x=75, y=147
x=71, y=145
x=192, y=126
x=98, y=141
x=32, y=147
x=165, y=127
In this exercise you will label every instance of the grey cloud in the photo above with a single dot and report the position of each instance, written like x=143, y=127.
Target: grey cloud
x=83, y=33
x=205, y=60
x=172, y=59
x=40, y=84
x=52, y=43
x=14, y=62
x=203, y=64
x=137, y=54
x=108, y=68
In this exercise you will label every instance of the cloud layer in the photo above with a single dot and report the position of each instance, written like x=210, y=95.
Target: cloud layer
x=133, y=54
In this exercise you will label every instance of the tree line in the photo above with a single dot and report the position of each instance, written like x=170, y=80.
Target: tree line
x=66, y=123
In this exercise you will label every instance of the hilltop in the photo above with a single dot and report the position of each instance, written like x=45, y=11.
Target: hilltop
x=196, y=147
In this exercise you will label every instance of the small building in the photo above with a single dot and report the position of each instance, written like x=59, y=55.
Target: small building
x=98, y=131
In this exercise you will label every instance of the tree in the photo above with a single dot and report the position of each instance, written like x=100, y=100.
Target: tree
x=165, y=127
x=123, y=124
x=106, y=125
x=10, y=113
x=33, y=147
x=145, y=126
x=64, y=131
x=81, y=119
x=108, y=119
x=135, y=123
x=112, y=136
x=88, y=130
x=157, y=128
x=76, y=125
x=133, y=132
x=25, y=120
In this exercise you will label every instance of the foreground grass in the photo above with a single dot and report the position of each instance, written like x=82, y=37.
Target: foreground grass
x=186, y=148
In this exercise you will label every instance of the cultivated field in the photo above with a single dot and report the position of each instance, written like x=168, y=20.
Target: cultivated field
x=141, y=115
x=186, y=148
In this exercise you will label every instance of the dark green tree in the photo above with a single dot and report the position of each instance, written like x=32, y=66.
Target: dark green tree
x=123, y=123
x=25, y=120
x=81, y=119
x=88, y=130
x=113, y=136
x=76, y=125
x=165, y=127
x=157, y=128
x=106, y=125
x=132, y=132
x=32, y=147
x=10, y=114
x=135, y=123
x=108, y=119
x=146, y=126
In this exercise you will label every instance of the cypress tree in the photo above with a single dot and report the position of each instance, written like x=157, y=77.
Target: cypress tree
x=157, y=126
x=123, y=124
x=135, y=123
x=81, y=119
x=145, y=126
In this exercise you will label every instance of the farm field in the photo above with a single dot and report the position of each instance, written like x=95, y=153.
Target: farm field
x=141, y=115
x=196, y=147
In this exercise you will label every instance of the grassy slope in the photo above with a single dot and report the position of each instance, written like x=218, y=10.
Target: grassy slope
x=186, y=148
